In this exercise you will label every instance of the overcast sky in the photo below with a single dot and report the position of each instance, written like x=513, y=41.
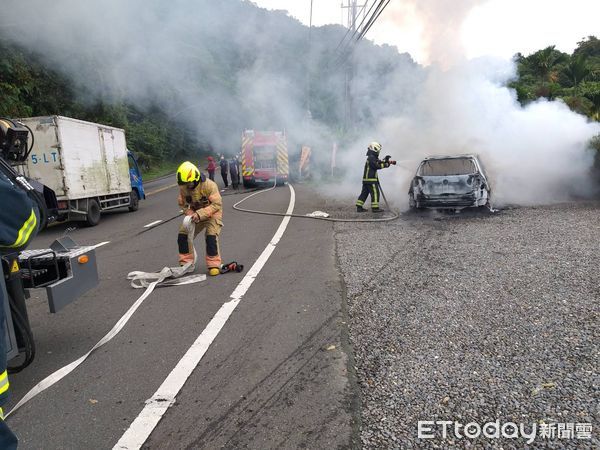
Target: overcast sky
x=493, y=27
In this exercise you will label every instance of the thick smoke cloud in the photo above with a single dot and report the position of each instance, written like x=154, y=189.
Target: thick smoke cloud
x=441, y=22
x=534, y=154
x=215, y=65
x=225, y=66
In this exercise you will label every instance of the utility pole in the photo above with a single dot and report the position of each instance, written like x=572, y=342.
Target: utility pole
x=307, y=140
x=352, y=8
x=309, y=64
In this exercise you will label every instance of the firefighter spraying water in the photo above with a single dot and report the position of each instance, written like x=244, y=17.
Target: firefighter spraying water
x=370, y=180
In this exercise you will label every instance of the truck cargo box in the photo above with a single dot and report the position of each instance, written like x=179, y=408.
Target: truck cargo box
x=78, y=159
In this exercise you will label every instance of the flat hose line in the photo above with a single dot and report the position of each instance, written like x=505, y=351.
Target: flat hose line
x=168, y=276
x=329, y=219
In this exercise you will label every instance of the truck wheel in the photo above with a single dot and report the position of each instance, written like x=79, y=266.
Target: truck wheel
x=134, y=201
x=93, y=213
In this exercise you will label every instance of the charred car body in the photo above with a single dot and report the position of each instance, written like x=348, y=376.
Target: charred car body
x=449, y=182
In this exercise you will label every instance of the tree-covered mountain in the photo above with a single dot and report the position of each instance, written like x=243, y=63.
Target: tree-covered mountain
x=184, y=77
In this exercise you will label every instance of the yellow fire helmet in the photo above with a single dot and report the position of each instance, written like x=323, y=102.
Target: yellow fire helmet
x=188, y=173
x=375, y=146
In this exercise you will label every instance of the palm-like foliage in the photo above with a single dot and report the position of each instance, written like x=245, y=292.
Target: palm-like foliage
x=591, y=91
x=577, y=70
x=543, y=64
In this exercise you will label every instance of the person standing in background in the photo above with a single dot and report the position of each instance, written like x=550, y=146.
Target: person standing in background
x=223, y=164
x=211, y=168
x=234, y=172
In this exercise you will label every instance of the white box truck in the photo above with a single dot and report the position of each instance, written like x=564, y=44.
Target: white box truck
x=86, y=164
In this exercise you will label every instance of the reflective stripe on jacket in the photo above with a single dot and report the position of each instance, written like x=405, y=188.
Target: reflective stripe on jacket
x=18, y=220
x=372, y=165
x=4, y=382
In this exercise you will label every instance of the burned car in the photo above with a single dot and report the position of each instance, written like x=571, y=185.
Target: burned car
x=449, y=182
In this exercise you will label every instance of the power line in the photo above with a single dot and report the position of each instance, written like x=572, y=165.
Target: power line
x=374, y=20
x=345, y=48
x=356, y=29
x=344, y=53
x=352, y=28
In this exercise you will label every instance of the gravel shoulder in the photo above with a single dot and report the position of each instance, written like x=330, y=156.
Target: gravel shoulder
x=474, y=318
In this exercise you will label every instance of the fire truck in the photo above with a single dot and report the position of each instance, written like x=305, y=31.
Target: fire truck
x=264, y=157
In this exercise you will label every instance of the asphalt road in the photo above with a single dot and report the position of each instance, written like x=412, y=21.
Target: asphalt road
x=349, y=336
x=275, y=376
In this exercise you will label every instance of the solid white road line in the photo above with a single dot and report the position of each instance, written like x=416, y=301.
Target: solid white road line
x=164, y=397
x=151, y=224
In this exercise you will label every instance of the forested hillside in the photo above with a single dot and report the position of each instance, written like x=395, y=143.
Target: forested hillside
x=553, y=74
x=198, y=81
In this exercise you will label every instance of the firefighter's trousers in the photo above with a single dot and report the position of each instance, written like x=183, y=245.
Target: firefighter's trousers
x=369, y=189
x=213, y=254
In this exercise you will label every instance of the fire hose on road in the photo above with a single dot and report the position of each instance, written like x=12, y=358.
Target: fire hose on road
x=168, y=276
x=329, y=219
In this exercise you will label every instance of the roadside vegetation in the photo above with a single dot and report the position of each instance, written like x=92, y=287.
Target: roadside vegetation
x=551, y=74
x=29, y=88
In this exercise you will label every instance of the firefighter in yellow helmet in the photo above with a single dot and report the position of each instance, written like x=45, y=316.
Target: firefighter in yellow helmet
x=199, y=198
x=370, y=181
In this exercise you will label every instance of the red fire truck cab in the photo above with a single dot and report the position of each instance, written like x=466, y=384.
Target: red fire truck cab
x=264, y=157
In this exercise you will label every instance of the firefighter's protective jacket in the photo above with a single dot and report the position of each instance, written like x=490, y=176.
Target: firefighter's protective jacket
x=18, y=223
x=18, y=219
x=372, y=165
x=204, y=199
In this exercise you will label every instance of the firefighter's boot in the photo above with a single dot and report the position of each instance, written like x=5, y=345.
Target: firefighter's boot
x=360, y=209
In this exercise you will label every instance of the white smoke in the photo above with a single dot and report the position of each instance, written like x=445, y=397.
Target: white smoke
x=179, y=54
x=212, y=65
x=534, y=154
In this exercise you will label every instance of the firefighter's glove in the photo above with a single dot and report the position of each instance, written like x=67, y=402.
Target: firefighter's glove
x=196, y=218
x=189, y=212
x=392, y=162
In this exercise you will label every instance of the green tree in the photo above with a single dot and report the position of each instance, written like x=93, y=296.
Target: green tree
x=591, y=91
x=543, y=64
x=589, y=47
x=577, y=70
